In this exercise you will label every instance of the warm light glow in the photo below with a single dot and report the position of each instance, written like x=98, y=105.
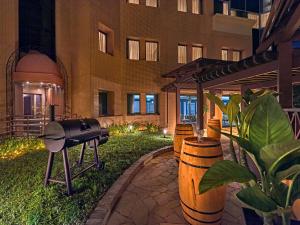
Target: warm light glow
x=27, y=82
x=130, y=127
x=165, y=131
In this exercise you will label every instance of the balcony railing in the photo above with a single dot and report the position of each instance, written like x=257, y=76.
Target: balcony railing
x=26, y=126
x=294, y=117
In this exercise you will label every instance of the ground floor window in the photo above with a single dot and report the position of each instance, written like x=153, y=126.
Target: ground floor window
x=103, y=96
x=151, y=104
x=188, y=108
x=134, y=103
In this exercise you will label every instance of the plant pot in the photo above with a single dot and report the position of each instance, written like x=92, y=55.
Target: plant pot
x=251, y=218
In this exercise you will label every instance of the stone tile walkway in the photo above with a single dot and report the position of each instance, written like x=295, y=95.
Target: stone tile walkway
x=152, y=198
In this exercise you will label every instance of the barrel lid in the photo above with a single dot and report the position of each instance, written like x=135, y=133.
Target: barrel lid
x=205, y=141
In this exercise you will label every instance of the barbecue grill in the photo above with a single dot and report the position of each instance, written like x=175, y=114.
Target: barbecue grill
x=61, y=135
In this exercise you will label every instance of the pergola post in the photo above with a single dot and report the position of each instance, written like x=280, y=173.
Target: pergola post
x=212, y=106
x=200, y=118
x=285, y=79
x=177, y=105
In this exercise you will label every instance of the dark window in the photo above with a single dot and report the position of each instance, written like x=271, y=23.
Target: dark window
x=103, y=98
x=133, y=103
x=151, y=104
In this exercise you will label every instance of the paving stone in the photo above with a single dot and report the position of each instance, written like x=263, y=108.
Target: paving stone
x=152, y=197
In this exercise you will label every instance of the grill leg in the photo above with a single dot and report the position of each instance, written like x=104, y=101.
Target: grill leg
x=98, y=163
x=82, y=154
x=67, y=171
x=49, y=168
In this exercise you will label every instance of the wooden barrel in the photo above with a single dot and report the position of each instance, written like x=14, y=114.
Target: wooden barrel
x=181, y=131
x=211, y=133
x=196, y=157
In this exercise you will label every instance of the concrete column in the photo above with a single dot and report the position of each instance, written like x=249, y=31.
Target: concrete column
x=177, y=105
x=200, y=118
x=284, y=79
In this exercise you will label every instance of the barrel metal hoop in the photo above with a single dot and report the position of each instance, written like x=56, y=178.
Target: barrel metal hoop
x=205, y=146
x=183, y=134
x=182, y=130
x=201, y=167
x=201, y=221
x=203, y=157
x=177, y=151
x=202, y=212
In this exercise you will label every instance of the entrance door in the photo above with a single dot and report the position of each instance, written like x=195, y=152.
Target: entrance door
x=32, y=104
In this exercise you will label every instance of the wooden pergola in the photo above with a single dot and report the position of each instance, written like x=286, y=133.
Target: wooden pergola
x=276, y=68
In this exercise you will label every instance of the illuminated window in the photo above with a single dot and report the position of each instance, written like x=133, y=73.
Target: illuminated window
x=197, y=52
x=102, y=42
x=134, y=1
x=151, y=104
x=133, y=49
x=134, y=103
x=151, y=3
x=226, y=8
x=196, y=6
x=151, y=51
x=264, y=18
x=236, y=55
x=181, y=5
x=255, y=17
x=224, y=53
x=182, y=55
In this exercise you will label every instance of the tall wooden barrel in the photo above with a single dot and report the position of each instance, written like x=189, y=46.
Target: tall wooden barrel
x=212, y=133
x=181, y=131
x=196, y=157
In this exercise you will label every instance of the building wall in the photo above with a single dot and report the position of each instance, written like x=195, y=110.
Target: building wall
x=89, y=70
x=8, y=43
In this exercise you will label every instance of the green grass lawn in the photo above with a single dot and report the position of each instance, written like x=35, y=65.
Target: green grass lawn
x=24, y=199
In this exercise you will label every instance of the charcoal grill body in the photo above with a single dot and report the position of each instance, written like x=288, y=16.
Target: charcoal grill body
x=61, y=135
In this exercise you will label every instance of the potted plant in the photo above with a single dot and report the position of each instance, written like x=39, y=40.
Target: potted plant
x=268, y=139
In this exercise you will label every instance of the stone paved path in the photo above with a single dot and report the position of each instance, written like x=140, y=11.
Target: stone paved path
x=152, y=198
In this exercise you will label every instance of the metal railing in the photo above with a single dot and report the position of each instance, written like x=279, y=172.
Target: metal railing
x=26, y=126
x=294, y=117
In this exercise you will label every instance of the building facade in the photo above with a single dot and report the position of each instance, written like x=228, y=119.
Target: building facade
x=112, y=54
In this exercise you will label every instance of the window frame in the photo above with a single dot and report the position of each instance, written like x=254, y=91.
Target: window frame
x=106, y=41
x=139, y=51
x=128, y=1
x=157, y=55
x=186, y=6
x=128, y=107
x=157, y=4
x=202, y=51
x=186, y=56
x=227, y=50
x=156, y=104
x=240, y=55
x=199, y=9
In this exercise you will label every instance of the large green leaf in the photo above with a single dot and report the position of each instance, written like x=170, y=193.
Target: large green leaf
x=236, y=98
x=269, y=124
x=224, y=172
x=287, y=173
x=217, y=101
x=276, y=156
x=254, y=198
x=233, y=110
